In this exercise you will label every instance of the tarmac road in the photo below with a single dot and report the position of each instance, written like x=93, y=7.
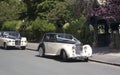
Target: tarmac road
x=26, y=62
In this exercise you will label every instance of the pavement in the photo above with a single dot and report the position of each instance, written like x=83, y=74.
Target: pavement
x=104, y=55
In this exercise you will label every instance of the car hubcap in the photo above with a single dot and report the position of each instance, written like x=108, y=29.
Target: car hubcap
x=5, y=46
x=40, y=52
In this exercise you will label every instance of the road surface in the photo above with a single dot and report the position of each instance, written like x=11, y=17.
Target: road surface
x=26, y=62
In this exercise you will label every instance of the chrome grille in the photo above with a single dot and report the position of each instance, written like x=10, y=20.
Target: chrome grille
x=17, y=42
x=78, y=49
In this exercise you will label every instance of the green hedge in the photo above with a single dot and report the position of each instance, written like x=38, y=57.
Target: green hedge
x=11, y=25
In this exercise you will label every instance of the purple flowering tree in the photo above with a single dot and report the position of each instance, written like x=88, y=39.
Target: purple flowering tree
x=109, y=10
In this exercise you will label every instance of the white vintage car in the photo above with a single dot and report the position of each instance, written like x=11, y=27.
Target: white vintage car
x=65, y=46
x=12, y=39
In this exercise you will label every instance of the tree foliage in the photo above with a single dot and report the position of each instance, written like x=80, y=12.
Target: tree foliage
x=43, y=25
x=53, y=10
x=109, y=10
x=38, y=27
x=59, y=15
x=10, y=10
x=78, y=28
x=45, y=15
x=31, y=6
x=11, y=25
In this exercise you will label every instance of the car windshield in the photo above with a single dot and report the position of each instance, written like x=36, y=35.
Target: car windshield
x=11, y=34
x=65, y=37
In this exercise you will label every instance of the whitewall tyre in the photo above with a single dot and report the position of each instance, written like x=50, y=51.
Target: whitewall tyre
x=64, y=56
x=5, y=46
x=41, y=52
x=23, y=48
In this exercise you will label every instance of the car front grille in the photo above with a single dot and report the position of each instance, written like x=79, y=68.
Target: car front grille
x=78, y=49
x=17, y=42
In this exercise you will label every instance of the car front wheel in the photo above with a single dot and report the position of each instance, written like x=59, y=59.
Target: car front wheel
x=23, y=48
x=5, y=46
x=64, y=56
x=41, y=52
x=86, y=59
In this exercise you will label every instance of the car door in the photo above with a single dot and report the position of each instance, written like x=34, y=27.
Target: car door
x=1, y=39
x=50, y=44
x=53, y=45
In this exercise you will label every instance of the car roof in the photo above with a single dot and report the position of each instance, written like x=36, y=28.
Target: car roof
x=57, y=33
x=2, y=32
x=8, y=31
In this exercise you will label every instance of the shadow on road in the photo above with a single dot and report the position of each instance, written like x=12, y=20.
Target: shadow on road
x=10, y=48
x=57, y=58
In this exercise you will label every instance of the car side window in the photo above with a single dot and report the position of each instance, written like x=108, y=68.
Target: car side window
x=49, y=38
x=5, y=34
x=0, y=34
x=46, y=38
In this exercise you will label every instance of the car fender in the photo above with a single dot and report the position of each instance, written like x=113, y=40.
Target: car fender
x=23, y=39
x=68, y=49
x=87, y=50
x=6, y=41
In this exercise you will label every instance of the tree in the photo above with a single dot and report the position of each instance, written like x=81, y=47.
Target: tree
x=11, y=25
x=109, y=10
x=59, y=14
x=10, y=10
x=53, y=10
x=42, y=25
x=31, y=6
x=78, y=28
x=38, y=27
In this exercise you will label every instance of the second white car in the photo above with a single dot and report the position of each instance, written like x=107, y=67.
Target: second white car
x=12, y=39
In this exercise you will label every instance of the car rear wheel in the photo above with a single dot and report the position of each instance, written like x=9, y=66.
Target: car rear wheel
x=41, y=52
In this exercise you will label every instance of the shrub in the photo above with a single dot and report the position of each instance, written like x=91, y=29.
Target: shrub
x=43, y=25
x=11, y=25
x=82, y=32
x=37, y=28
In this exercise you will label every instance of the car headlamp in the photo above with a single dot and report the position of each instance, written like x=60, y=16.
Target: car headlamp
x=9, y=41
x=85, y=48
x=73, y=48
